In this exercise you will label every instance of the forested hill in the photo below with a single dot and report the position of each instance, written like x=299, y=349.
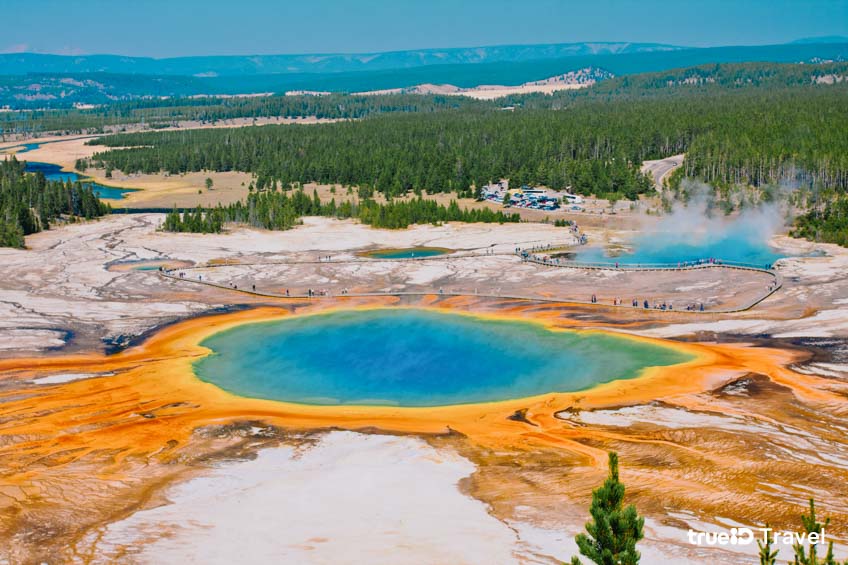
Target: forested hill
x=709, y=79
x=161, y=113
x=741, y=136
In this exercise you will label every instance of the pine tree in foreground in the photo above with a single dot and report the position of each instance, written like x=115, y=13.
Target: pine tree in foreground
x=614, y=529
x=809, y=556
x=767, y=555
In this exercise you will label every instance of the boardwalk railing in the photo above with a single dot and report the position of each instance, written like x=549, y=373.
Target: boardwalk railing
x=178, y=274
x=530, y=256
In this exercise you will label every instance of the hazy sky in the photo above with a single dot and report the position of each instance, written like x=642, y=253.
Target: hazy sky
x=166, y=28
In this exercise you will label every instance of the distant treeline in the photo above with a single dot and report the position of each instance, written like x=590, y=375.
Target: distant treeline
x=745, y=136
x=274, y=210
x=29, y=203
x=709, y=79
x=165, y=112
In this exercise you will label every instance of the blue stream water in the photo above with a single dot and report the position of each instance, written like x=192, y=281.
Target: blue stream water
x=28, y=147
x=416, y=358
x=55, y=173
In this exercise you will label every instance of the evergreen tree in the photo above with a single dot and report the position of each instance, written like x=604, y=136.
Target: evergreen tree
x=809, y=555
x=29, y=203
x=767, y=556
x=614, y=529
x=281, y=211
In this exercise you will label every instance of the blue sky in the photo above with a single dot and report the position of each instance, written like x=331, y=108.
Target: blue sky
x=166, y=28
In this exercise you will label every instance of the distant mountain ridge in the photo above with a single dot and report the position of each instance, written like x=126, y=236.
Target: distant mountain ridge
x=63, y=90
x=821, y=39
x=237, y=65
x=326, y=63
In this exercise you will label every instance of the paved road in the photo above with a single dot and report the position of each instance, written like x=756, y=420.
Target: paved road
x=661, y=167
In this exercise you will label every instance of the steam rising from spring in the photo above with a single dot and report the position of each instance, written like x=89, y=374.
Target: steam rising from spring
x=699, y=231
x=699, y=222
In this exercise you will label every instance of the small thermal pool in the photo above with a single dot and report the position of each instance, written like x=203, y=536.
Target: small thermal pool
x=149, y=265
x=406, y=253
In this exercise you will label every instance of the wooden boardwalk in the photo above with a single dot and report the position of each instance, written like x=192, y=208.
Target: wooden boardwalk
x=174, y=274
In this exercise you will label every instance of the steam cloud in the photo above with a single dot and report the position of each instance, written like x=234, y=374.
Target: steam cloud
x=700, y=223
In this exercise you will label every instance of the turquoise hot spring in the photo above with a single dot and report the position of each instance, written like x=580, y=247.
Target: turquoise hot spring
x=416, y=357
x=736, y=243
x=407, y=253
